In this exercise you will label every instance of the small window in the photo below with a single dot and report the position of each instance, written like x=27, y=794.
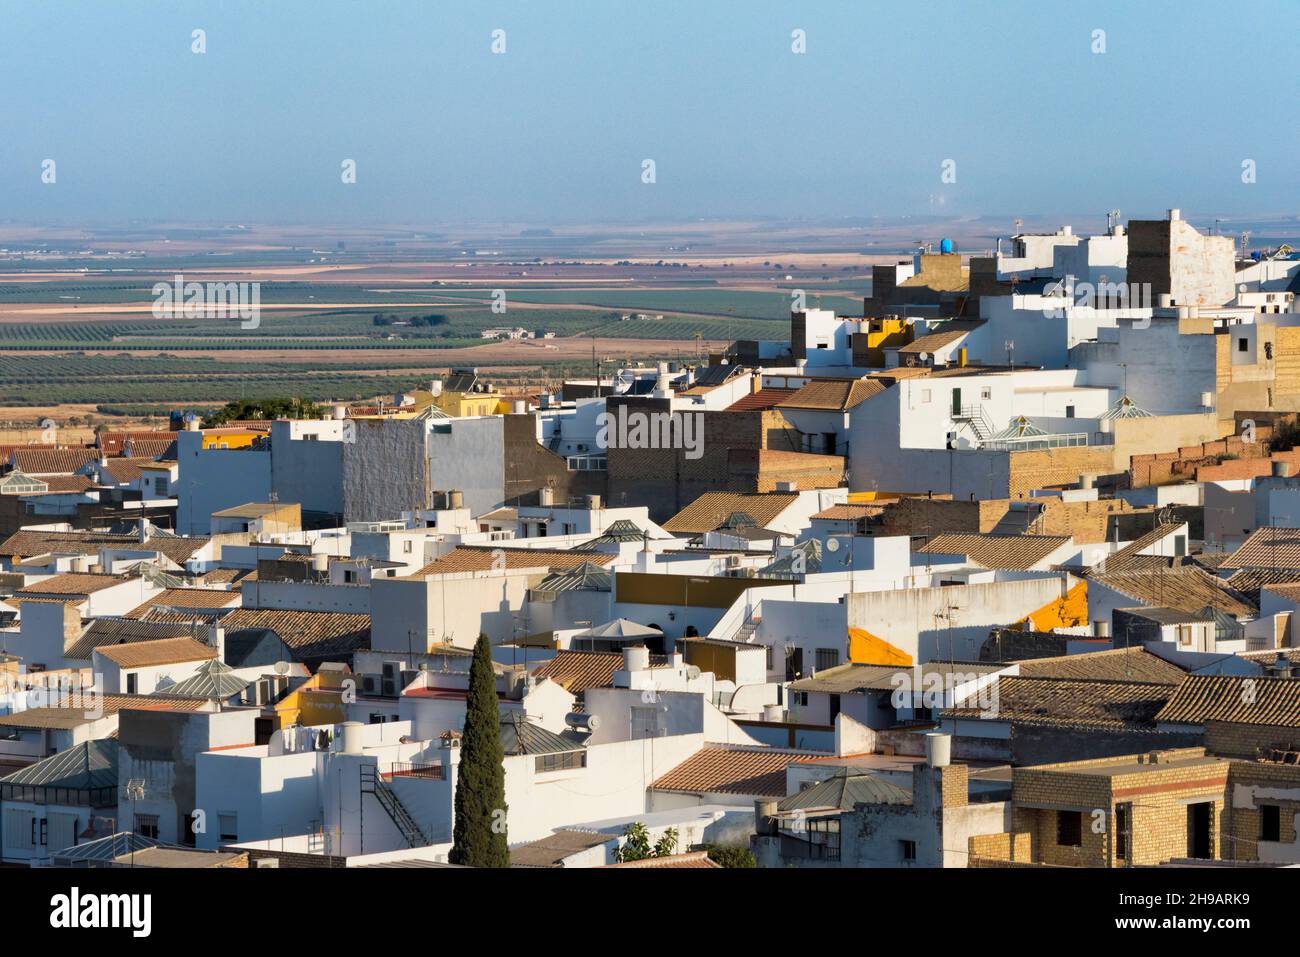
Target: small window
x=1270, y=822
x=132, y=683
x=986, y=393
x=1243, y=345
x=1069, y=412
x=229, y=827
x=827, y=658
x=1123, y=824
x=146, y=825
x=407, y=546
x=907, y=850
x=1069, y=828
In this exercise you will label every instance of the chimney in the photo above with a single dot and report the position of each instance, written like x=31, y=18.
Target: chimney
x=1175, y=214
x=217, y=639
x=1281, y=468
x=144, y=530
x=938, y=749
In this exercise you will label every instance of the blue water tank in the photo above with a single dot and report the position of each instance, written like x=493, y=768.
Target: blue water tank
x=945, y=245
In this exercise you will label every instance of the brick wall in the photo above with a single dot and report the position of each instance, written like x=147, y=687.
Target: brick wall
x=1045, y=468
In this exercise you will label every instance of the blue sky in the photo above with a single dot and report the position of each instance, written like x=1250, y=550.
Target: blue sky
x=556, y=129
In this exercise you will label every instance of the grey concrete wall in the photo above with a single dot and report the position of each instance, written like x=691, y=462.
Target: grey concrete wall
x=469, y=455
x=384, y=470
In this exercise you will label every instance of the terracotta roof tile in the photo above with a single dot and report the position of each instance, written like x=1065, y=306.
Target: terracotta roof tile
x=161, y=651
x=52, y=461
x=1267, y=547
x=185, y=599
x=723, y=770
x=761, y=400
x=1235, y=698
x=577, y=671
x=1118, y=664
x=469, y=558
x=1184, y=588
x=71, y=583
x=1007, y=552
x=833, y=395
x=712, y=509
x=1073, y=703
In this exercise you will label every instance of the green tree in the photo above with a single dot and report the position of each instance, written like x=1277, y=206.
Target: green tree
x=246, y=409
x=637, y=845
x=479, y=837
x=666, y=846
x=731, y=856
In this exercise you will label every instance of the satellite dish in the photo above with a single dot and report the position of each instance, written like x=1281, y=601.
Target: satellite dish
x=282, y=667
x=47, y=423
x=925, y=357
x=832, y=544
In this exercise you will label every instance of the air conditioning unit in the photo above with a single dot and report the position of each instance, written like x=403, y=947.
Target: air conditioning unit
x=733, y=561
x=370, y=684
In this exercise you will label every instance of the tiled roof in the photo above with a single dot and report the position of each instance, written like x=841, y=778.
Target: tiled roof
x=468, y=558
x=1129, y=558
x=692, y=859
x=1249, y=581
x=309, y=634
x=1073, y=703
x=723, y=770
x=68, y=483
x=1267, y=547
x=998, y=551
x=185, y=599
x=1119, y=664
x=712, y=508
x=106, y=631
x=71, y=583
x=48, y=461
x=576, y=671
x=833, y=395
x=109, y=704
x=123, y=471
x=850, y=678
x=1234, y=698
x=761, y=400
x=943, y=335
x=1185, y=588
x=161, y=651
x=849, y=513
x=25, y=544
x=551, y=850
x=112, y=442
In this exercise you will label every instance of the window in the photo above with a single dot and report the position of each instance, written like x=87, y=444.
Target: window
x=131, y=683
x=1270, y=822
x=228, y=823
x=20, y=830
x=146, y=825
x=1069, y=412
x=986, y=393
x=1184, y=634
x=907, y=850
x=800, y=698
x=560, y=762
x=406, y=546
x=1069, y=828
x=827, y=658
x=160, y=485
x=1243, y=345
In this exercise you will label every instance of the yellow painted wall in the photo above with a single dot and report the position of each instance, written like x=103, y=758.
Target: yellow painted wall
x=1068, y=612
x=231, y=440
x=318, y=701
x=866, y=649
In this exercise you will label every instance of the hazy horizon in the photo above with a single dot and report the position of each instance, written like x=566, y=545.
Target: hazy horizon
x=555, y=129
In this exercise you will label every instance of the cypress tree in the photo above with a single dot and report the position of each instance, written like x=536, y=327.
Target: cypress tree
x=479, y=837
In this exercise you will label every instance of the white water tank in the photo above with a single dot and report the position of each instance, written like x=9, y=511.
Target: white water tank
x=352, y=732
x=938, y=749
x=773, y=712
x=636, y=658
x=546, y=497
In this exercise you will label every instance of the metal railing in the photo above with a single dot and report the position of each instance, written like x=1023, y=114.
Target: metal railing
x=408, y=769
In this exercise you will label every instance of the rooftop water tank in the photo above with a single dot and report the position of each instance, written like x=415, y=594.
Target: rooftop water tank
x=945, y=245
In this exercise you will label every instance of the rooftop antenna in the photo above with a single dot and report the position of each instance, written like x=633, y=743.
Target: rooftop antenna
x=1112, y=219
